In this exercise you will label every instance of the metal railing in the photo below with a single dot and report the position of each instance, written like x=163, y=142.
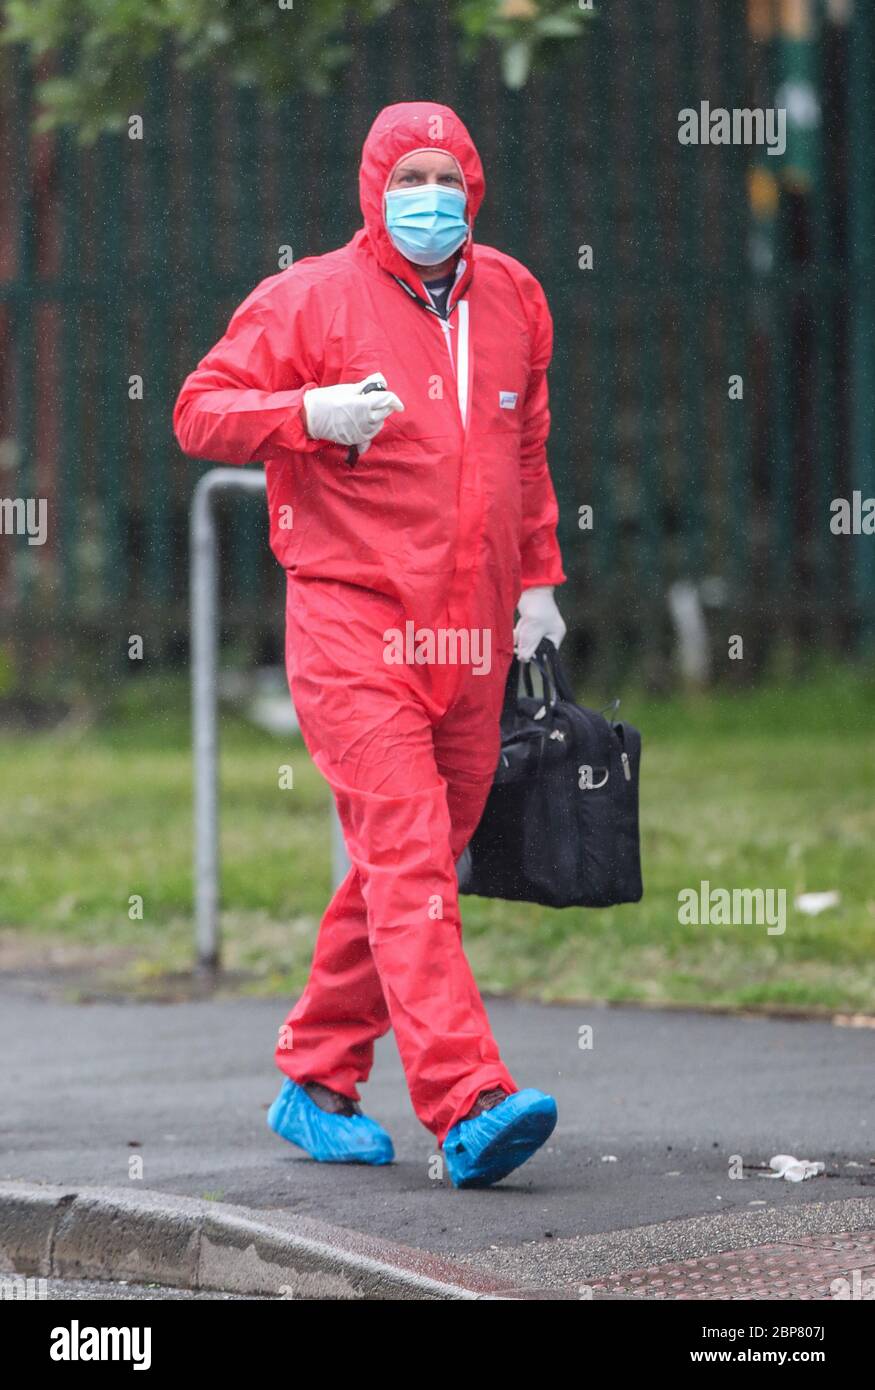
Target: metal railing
x=204, y=710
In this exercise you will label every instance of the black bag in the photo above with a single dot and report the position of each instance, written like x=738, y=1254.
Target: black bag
x=560, y=826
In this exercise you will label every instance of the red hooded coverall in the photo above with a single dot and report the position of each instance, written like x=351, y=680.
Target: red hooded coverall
x=442, y=522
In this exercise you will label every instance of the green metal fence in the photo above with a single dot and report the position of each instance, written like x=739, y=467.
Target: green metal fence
x=127, y=260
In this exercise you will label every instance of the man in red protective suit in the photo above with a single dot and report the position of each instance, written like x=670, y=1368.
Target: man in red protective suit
x=396, y=391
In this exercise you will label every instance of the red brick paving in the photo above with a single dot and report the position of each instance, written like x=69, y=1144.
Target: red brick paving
x=804, y=1268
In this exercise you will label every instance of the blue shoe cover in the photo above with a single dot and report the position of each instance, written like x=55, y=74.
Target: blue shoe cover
x=484, y=1150
x=325, y=1137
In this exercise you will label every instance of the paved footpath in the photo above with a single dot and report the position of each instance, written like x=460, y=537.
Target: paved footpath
x=652, y=1117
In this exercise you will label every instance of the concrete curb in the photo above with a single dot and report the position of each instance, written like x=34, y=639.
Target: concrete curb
x=185, y=1242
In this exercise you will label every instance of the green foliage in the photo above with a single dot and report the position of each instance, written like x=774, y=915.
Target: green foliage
x=522, y=30
x=273, y=45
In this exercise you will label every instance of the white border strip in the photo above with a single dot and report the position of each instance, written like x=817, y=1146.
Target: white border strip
x=462, y=363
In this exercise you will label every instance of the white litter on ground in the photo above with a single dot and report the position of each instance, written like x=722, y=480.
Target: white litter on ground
x=793, y=1169
x=812, y=904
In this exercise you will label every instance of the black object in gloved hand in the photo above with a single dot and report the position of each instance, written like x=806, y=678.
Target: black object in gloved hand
x=560, y=826
x=352, y=455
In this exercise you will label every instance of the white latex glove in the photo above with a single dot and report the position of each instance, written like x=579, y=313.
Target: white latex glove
x=346, y=416
x=539, y=617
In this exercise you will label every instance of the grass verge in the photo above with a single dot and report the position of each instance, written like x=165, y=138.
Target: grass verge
x=774, y=788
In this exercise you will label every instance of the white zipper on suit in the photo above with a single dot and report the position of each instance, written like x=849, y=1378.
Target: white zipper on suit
x=462, y=365
x=459, y=363
x=462, y=369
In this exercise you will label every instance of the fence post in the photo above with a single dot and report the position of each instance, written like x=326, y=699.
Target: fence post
x=204, y=710
x=861, y=229
x=204, y=715
x=340, y=862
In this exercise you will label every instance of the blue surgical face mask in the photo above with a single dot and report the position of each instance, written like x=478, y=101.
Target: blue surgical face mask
x=426, y=223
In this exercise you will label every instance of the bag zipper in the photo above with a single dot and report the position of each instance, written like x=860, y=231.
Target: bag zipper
x=627, y=771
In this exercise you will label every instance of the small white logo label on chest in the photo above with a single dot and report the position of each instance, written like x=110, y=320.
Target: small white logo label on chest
x=507, y=400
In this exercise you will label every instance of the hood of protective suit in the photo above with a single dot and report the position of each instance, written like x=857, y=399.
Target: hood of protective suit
x=397, y=131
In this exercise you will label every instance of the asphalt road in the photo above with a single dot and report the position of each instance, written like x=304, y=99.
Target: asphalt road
x=650, y=1118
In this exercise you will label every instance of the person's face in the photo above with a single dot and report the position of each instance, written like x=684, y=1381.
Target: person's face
x=427, y=166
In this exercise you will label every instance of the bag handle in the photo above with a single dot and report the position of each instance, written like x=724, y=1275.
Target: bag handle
x=546, y=658
x=511, y=690
x=556, y=683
